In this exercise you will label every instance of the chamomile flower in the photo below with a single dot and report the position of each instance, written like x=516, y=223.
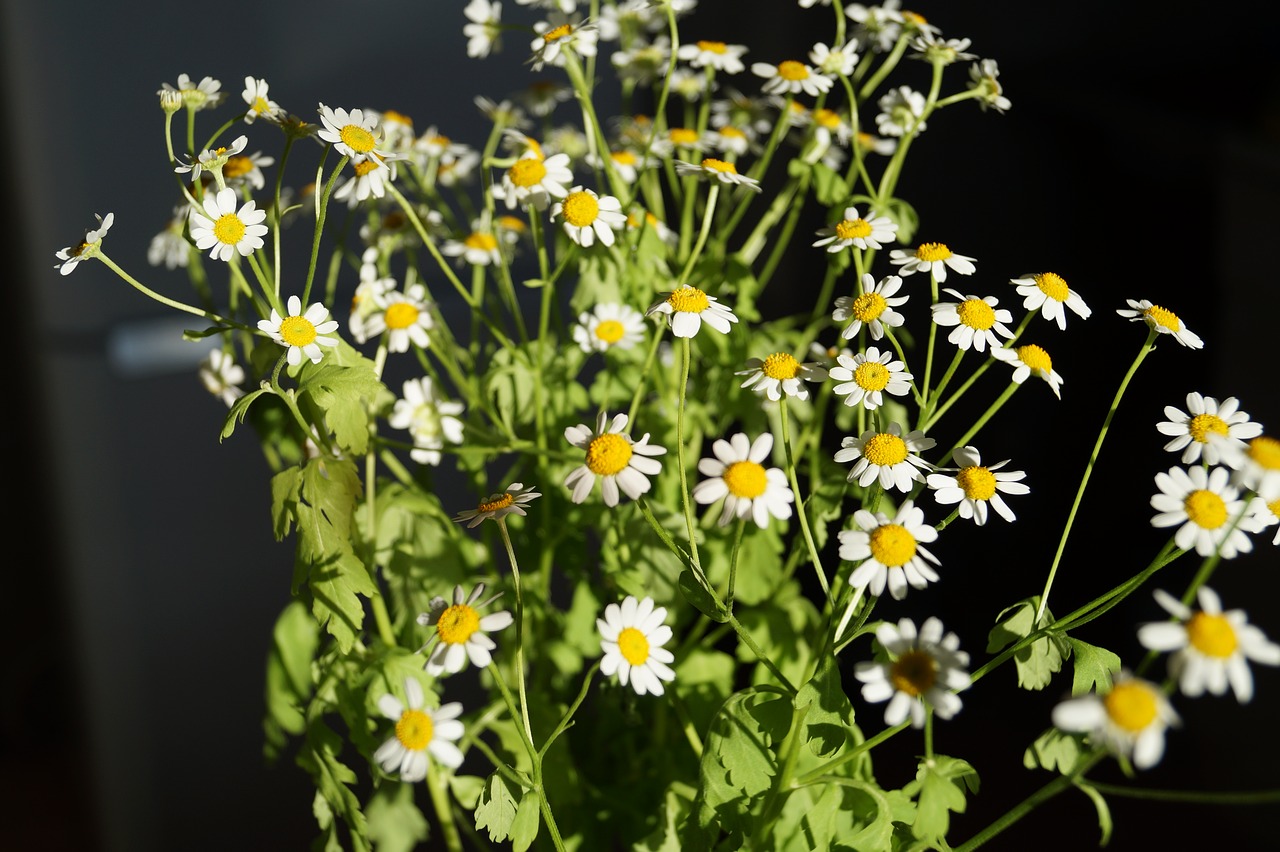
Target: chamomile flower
x=463, y=633
x=421, y=735
x=900, y=112
x=588, y=216
x=246, y=170
x=929, y=47
x=195, y=96
x=1049, y=294
x=626, y=164
x=890, y=551
x=86, y=248
x=934, y=258
x=1202, y=504
x=1211, y=647
x=355, y=134
x=878, y=26
x=828, y=124
x=495, y=507
x=887, y=456
x=1162, y=320
x=369, y=181
x=256, y=95
x=780, y=373
x=1029, y=359
x=432, y=422
x=718, y=170
x=478, y=248
x=1256, y=465
x=975, y=486
x=874, y=307
x=713, y=54
x=976, y=319
x=301, y=334
x=835, y=60
x=854, y=230
x=558, y=34
x=984, y=77
x=531, y=179
x=405, y=317
x=644, y=61
x=866, y=377
x=369, y=297
x=791, y=78
x=1191, y=432
x=224, y=230
x=730, y=140
x=688, y=308
x=222, y=376
x=1265, y=513
x=1130, y=719
x=612, y=457
x=170, y=248
x=212, y=160
x=643, y=220
x=609, y=325
x=872, y=144
x=631, y=640
x=925, y=670
x=484, y=25
x=749, y=489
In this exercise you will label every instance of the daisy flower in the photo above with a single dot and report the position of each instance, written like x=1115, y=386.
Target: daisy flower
x=934, y=258
x=976, y=487
x=984, y=76
x=925, y=671
x=900, y=111
x=497, y=506
x=853, y=230
x=791, y=78
x=1130, y=719
x=86, y=248
x=688, y=308
x=588, y=216
x=531, y=179
x=641, y=220
x=929, y=47
x=609, y=325
x=1265, y=513
x=976, y=320
x=613, y=458
x=730, y=140
x=212, y=160
x=224, y=230
x=246, y=170
x=886, y=456
x=368, y=299
x=878, y=26
x=890, y=551
x=558, y=34
x=1211, y=647
x=1029, y=359
x=1162, y=320
x=484, y=25
x=255, y=94
x=626, y=164
x=866, y=377
x=221, y=376
x=1049, y=294
x=748, y=488
x=874, y=307
x=631, y=639
x=828, y=123
x=419, y=733
x=462, y=630
x=169, y=247
x=369, y=181
x=780, y=373
x=1204, y=504
x=719, y=170
x=195, y=96
x=1256, y=464
x=405, y=317
x=644, y=62
x=301, y=334
x=431, y=421
x=1191, y=432
x=713, y=54
x=873, y=144
x=353, y=134
x=478, y=248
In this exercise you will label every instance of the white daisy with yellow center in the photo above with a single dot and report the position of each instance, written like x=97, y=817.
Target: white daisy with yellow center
x=886, y=455
x=1162, y=320
x=479, y=248
x=432, y=422
x=510, y=501
x=620, y=463
x=688, y=308
x=421, y=735
x=484, y=25
x=1048, y=293
x=631, y=638
x=1266, y=513
x=355, y=134
x=213, y=160
x=246, y=170
x=890, y=551
x=872, y=144
x=225, y=230
x=256, y=95
x=723, y=171
x=791, y=78
x=1130, y=719
x=925, y=670
x=405, y=317
x=780, y=373
x=976, y=321
x=301, y=334
x=934, y=258
x=1211, y=647
x=642, y=221
x=871, y=232
x=975, y=486
x=461, y=631
x=713, y=54
x=866, y=377
x=1193, y=432
x=1029, y=359
x=86, y=248
x=222, y=376
x=873, y=307
x=609, y=325
x=369, y=297
x=900, y=112
x=835, y=60
x=878, y=26
x=558, y=34
x=1205, y=505
x=587, y=216
x=369, y=180
x=1256, y=464
x=738, y=475
x=532, y=179
x=731, y=140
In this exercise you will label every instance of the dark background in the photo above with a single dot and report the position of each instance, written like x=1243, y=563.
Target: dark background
x=1141, y=159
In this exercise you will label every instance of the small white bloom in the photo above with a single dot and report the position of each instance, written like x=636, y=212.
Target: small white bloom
x=780, y=373
x=483, y=28
x=866, y=377
x=835, y=60
x=301, y=334
x=749, y=488
x=1204, y=504
x=1130, y=719
x=976, y=320
x=1029, y=359
x=1162, y=320
x=878, y=26
x=985, y=78
x=405, y=317
x=532, y=179
x=612, y=457
x=688, y=308
x=497, y=506
x=853, y=230
x=631, y=640
x=213, y=160
x=255, y=94
x=431, y=421
x=224, y=230
x=886, y=455
x=900, y=111
x=609, y=325
x=196, y=96
x=719, y=170
x=1048, y=293
x=86, y=248
x=1191, y=432
x=560, y=33
x=934, y=258
x=890, y=551
x=419, y=732
x=588, y=216
x=975, y=487
x=925, y=670
x=355, y=134
x=463, y=633
x=221, y=376
x=1256, y=465
x=478, y=248
x=874, y=307
x=713, y=54
x=791, y=78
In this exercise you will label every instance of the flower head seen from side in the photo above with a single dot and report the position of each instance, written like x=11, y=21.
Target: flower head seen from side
x=1029, y=359
x=353, y=133
x=976, y=321
x=1048, y=293
x=256, y=96
x=1193, y=430
x=1161, y=320
x=194, y=96
x=484, y=25
x=1211, y=648
x=1266, y=513
x=369, y=180
x=480, y=247
x=432, y=422
x=533, y=180
x=791, y=78
x=631, y=638
x=1130, y=719
x=1256, y=465
x=854, y=230
x=687, y=308
x=421, y=735
x=86, y=248
x=887, y=456
x=1203, y=505
x=866, y=377
x=976, y=487
x=301, y=333
x=405, y=317
x=934, y=258
x=612, y=457
x=781, y=374
x=495, y=507
x=609, y=325
x=726, y=58
x=925, y=670
x=835, y=60
x=874, y=307
x=213, y=161
x=224, y=230
x=890, y=551
x=587, y=216
x=723, y=171
x=462, y=632
x=985, y=78
x=559, y=34
x=222, y=376
x=749, y=489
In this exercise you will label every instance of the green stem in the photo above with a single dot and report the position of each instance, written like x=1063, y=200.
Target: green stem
x=685, y=498
x=436, y=785
x=520, y=681
x=800, y=513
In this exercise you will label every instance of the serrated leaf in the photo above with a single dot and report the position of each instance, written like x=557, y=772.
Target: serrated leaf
x=524, y=826
x=239, y=410
x=1104, y=810
x=942, y=782
x=1054, y=750
x=349, y=396
x=1038, y=662
x=496, y=809
x=286, y=488
x=395, y=822
x=1092, y=667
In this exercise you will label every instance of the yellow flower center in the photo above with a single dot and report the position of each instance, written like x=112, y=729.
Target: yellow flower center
x=357, y=138
x=929, y=252
x=1265, y=450
x=1164, y=318
x=828, y=118
x=236, y=167
x=780, y=366
x=913, y=673
x=438, y=141
x=1131, y=706
x=688, y=300
x=397, y=118
x=1212, y=635
x=511, y=223
x=1205, y=509
x=1203, y=424
x=633, y=646
x=1052, y=285
x=892, y=545
x=712, y=46
x=457, y=623
x=527, y=172
x=1035, y=357
x=608, y=454
x=851, y=229
x=732, y=133
x=415, y=730
x=624, y=158
x=229, y=229
x=868, y=307
x=297, y=331
x=719, y=166
x=610, y=331
x=865, y=140
x=401, y=315
x=484, y=242
x=871, y=376
x=913, y=18
x=745, y=479
x=496, y=503
x=684, y=136
x=976, y=314
x=977, y=483
x=557, y=33
x=365, y=167
x=260, y=105
x=580, y=209
x=885, y=449
x=1274, y=506
x=792, y=70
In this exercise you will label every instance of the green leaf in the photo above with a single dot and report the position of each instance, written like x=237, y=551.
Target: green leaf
x=289, y=687
x=238, y=412
x=830, y=719
x=349, y=396
x=1093, y=667
x=1104, y=811
x=524, y=827
x=496, y=810
x=941, y=783
x=286, y=490
x=1038, y=662
x=318, y=756
x=467, y=790
x=395, y=822
x=877, y=834
x=829, y=187
x=666, y=835
x=1054, y=750
x=700, y=597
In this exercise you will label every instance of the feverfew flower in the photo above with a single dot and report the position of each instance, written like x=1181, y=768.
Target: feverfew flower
x=878, y=26
x=1048, y=293
x=195, y=96
x=431, y=421
x=984, y=76
x=224, y=230
x=631, y=639
x=866, y=377
x=1162, y=320
x=419, y=732
x=558, y=34
x=609, y=325
x=1205, y=505
x=688, y=308
x=1211, y=647
x=212, y=160
x=1130, y=719
x=713, y=54
x=221, y=376
x=1191, y=432
x=976, y=320
x=613, y=458
x=748, y=488
x=531, y=179
x=835, y=60
x=853, y=230
x=405, y=317
x=462, y=630
x=86, y=248
x=718, y=170
x=588, y=216
x=1029, y=359
x=353, y=134
x=934, y=258
x=1266, y=513
x=975, y=487
x=369, y=181
x=170, y=247
x=887, y=456
x=484, y=25
x=246, y=170
x=874, y=307
x=301, y=334
x=1256, y=464
x=890, y=551
x=925, y=670
x=497, y=506
x=478, y=248
x=255, y=94
x=900, y=111
x=780, y=373
x=791, y=78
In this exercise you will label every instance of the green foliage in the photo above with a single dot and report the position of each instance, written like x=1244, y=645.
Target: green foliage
x=1038, y=661
x=829, y=722
x=289, y=687
x=395, y=823
x=940, y=787
x=1054, y=750
x=347, y=390
x=1093, y=667
x=496, y=810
